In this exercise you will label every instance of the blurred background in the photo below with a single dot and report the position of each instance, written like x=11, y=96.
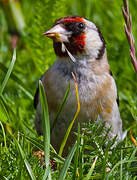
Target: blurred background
x=22, y=24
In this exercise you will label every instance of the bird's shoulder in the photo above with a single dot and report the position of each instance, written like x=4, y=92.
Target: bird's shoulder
x=54, y=83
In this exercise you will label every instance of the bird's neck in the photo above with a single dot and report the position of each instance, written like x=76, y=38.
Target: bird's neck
x=83, y=67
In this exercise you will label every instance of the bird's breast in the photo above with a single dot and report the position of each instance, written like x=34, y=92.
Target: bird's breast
x=90, y=90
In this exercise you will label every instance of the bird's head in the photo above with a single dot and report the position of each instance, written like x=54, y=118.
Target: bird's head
x=79, y=35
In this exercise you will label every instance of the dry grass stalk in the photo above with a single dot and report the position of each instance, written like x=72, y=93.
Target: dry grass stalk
x=128, y=31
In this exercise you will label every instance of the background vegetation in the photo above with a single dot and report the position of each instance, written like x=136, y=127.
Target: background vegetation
x=18, y=138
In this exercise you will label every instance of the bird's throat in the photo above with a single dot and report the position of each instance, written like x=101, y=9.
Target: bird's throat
x=75, y=46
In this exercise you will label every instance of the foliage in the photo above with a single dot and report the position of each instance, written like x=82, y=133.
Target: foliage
x=18, y=138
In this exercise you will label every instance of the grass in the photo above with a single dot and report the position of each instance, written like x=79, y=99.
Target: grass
x=46, y=130
x=20, y=69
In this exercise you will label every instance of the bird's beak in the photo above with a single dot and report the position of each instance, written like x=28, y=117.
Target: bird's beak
x=58, y=33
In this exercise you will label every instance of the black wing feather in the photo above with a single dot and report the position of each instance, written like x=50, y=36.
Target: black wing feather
x=36, y=96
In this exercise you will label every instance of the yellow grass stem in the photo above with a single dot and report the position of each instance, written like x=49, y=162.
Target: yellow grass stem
x=71, y=124
x=131, y=136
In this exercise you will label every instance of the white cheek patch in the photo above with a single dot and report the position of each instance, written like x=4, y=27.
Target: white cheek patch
x=92, y=43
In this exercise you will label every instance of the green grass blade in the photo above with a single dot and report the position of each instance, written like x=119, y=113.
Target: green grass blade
x=27, y=165
x=61, y=107
x=26, y=91
x=4, y=109
x=37, y=143
x=8, y=72
x=31, y=129
x=5, y=178
x=67, y=162
x=16, y=13
x=76, y=157
x=132, y=157
x=47, y=174
x=91, y=170
x=46, y=129
x=19, y=83
x=118, y=164
x=4, y=135
x=121, y=166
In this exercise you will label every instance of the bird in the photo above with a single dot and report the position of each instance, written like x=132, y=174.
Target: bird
x=80, y=48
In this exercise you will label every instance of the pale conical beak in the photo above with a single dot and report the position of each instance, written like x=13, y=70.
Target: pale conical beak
x=58, y=33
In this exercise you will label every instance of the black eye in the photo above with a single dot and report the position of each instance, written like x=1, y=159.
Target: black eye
x=81, y=25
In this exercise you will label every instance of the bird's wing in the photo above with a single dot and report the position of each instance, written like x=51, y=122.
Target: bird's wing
x=110, y=72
